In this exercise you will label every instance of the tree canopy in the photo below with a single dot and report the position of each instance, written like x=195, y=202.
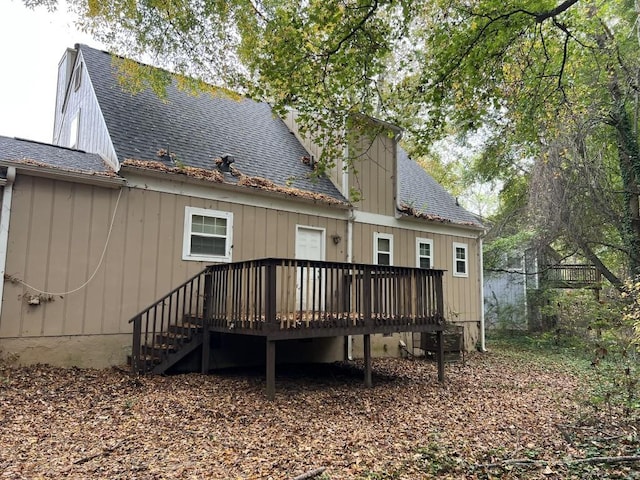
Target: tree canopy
x=553, y=86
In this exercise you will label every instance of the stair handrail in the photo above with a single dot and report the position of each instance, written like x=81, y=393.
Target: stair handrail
x=157, y=302
x=139, y=360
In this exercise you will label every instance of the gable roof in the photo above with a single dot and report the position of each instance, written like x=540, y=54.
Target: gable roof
x=37, y=154
x=197, y=129
x=422, y=197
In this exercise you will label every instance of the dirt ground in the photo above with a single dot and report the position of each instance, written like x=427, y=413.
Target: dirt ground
x=75, y=423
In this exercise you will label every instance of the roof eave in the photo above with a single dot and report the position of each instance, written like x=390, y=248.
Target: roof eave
x=96, y=178
x=467, y=226
x=229, y=186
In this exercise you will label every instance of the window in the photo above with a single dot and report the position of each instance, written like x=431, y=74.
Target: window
x=207, y=235
x=382, y=249
x=74, y=131
x=424, y=253
x=460, y=260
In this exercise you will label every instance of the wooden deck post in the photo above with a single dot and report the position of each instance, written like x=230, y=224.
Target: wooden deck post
x=271, y=369
x=367, y=361
x=206, y=348
x=440, y=355
x=206, y=322
x=137, y=344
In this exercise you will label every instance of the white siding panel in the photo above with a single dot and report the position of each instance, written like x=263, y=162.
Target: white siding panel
x=93, y=135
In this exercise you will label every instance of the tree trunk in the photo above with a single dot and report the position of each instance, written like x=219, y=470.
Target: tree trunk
x=629, y=159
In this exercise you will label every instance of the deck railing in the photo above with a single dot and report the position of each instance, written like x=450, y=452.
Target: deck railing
x=571, y=276
x=287, y=294
x=166, y=326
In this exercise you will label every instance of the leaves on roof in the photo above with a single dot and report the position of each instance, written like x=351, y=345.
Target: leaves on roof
x=35, y=163
x=243, y=180
x=193, y=172
x=412, y=211
x=268, y=185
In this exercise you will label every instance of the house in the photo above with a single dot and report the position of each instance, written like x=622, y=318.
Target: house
x=516, y=286
x=139, y=193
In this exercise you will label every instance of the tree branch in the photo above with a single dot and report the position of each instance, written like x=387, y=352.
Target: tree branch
x=563, y=7
x=539, y=18
x=353, y=31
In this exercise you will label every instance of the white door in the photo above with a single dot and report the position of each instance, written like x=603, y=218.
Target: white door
x=310, y=245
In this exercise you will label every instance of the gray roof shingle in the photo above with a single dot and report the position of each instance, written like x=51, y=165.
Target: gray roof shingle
x=42, y=154
x=426, y=197
x=200, y=128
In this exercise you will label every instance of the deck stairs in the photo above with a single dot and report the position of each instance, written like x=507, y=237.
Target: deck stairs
x=170, y=329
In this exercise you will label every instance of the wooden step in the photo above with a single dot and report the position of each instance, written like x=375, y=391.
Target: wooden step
x=187, y=328
x=174, y=338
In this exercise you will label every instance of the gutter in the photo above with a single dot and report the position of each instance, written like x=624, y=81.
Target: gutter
x=5, y=216
x=111, y=181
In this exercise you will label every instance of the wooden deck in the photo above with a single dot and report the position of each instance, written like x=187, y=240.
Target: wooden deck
x=281, y=299
x=571, y=276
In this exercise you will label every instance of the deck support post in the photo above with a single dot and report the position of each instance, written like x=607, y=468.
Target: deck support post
x=206, y=321
x=367, y=361
x=271, y=369
x=137, y=344
x=440, y=355
x=206, y=347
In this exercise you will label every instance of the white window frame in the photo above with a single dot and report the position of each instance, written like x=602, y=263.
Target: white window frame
x=429, y=242
x=74, y=131
x=377, y=236
x=189, y=212
x=465, y=247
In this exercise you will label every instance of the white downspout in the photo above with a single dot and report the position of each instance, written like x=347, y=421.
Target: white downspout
x=350, y=260
x=5, y=216
x=482, y=336
x=345, y=192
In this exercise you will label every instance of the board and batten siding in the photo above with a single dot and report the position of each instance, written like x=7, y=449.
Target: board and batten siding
x=93, y=136
x=57, y=235
x=373, y=174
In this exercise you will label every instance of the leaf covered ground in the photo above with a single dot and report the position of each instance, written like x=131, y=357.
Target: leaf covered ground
x=498, y=416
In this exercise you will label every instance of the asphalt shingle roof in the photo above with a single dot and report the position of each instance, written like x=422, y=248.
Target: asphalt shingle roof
x=200, y=128
x=197, y=129
x=425, y=196
x=42, y=154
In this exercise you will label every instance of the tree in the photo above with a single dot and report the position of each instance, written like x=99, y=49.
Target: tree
x=531, y=73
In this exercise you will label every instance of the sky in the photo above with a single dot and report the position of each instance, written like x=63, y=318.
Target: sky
x=32, y=43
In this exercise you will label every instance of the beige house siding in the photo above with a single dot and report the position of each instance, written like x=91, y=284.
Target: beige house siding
x=57, y=235
x=374, y=173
